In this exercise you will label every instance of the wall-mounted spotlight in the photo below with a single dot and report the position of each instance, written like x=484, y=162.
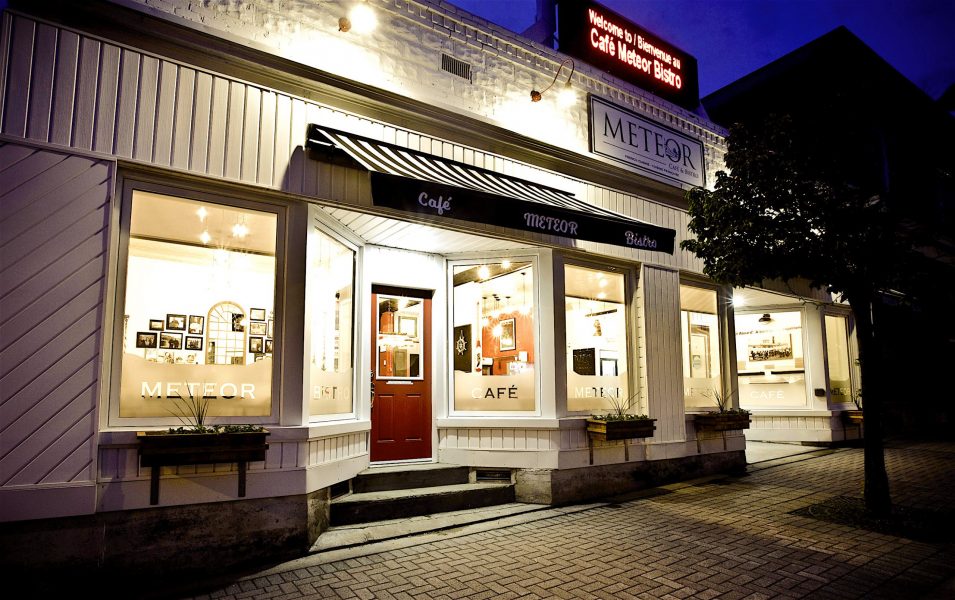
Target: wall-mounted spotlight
x=361, y=19
x=567, y=93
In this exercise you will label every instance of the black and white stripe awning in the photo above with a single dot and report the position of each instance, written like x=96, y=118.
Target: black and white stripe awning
x=426, y=184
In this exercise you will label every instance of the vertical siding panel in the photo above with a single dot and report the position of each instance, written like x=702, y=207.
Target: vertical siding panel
x=146, y=109
x=64, y=87
x=106, y=99
x=201, y=112
x=87, y=77
x=182, y=132
x=250, y=134
x=283, y=149
x=234, y=132
x=126, y=104
x=41, y=84
x=165, y=112
x=18, y=77
x=217, y=129
x=296, y=168
x=266, y=139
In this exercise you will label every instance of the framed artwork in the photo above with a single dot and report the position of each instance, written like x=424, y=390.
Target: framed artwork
x=462, y=348
x=237, y=322
x=146, y=339
x=196, y=324
x=193, y=342
x=271, y=331
x=176, y=322
x=256, y=345
x=408, y=326
x=171, y=341
x=608, y=367
x=268, y=346
x=256, y=314
x=257, y=328
x=508, y=335
x=156, y=324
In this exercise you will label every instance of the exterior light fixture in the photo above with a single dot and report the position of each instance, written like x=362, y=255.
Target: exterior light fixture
x=361, y=19
x=567, y=95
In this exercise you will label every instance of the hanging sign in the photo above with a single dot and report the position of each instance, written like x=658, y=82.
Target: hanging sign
x=625, y=136
x=606, y=40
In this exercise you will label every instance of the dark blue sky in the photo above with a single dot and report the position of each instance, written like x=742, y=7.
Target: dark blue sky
x=731, y=38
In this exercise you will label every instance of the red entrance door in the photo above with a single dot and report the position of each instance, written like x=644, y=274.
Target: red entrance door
x=401, y=374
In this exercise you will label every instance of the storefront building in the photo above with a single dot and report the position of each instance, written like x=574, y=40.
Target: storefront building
x=374, y=244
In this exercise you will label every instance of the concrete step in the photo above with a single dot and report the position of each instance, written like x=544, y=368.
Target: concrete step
x=406, y=477
x=369, y=507
x=346, y=536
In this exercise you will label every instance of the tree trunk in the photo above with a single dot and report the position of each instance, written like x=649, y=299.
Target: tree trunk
x=871, y=364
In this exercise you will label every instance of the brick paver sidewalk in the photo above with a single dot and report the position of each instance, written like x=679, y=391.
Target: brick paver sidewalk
x=730, y=538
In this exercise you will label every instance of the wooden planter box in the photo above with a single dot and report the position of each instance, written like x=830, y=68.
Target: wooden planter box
x=853, y=416
x=721, y=422
x=620, y=430
x=163, y=449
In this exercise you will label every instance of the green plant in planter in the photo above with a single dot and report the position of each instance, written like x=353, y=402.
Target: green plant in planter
x=193, y=412
x=723, y=404
x=619, y=423
x=620, y=410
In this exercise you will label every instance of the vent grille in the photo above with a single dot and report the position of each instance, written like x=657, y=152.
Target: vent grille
x=456, y=67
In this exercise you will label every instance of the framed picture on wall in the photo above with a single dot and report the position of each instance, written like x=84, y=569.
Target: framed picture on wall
x=256, y=345
x=176, y=322
x=193, y=342
x=170, y=341
x=462, y=348
x=146, y=339
x=271, y=331
x=196, y=324
x=237, y=322
x=256, y=314
x=268, y=346
x=257, y=328
x=156, y=324
x=508, y=335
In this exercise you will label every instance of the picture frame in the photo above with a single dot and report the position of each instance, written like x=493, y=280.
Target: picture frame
x=256, y=345
x=256, y=314
x=170, y=341
x=196, y=324
x=269, y=346
x=237, y=322
x=257, y=328
x=608, y=367
x=508, y=335
x=271, y=330
x=408, y=326
x=193, y=342
x=156, y=324
x=146, y=339
x=175, y=322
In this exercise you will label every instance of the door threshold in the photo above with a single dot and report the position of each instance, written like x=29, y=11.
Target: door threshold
x=398, y=463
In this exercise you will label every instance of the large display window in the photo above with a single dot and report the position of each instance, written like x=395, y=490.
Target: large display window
x=700, y=336
x=199, y=318
x=837, y=359
x=493, y=337
x=769, y=355
x=596, y=329
x=330, y=310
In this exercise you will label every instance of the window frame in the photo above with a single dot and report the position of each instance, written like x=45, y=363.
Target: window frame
x=852, y=350
x=123, y=217
x=726, y=335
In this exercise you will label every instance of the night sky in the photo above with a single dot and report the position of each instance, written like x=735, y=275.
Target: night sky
x=731, y=38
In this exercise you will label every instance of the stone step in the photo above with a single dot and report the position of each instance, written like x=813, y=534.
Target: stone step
x=405, y=477
x=346, y=536
x=367, y=507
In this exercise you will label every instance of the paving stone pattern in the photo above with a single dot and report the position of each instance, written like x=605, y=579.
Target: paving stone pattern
x=728, y=538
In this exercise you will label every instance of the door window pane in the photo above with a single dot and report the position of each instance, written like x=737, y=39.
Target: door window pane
x=596, y=327
x=493, y=337
x=199, y=315
x=399, y=334
x=837, y=358
x=700, y=334
x=769, y=358
x=330, y=300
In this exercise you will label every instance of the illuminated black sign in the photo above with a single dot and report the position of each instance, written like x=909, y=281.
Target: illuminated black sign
x=601, y=37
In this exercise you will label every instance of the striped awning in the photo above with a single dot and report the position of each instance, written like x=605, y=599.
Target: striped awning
x=422, y=183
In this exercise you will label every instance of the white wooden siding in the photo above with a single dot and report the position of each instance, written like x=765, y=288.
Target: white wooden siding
x=53, y=217
x=71, y=89
x=661, y=358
